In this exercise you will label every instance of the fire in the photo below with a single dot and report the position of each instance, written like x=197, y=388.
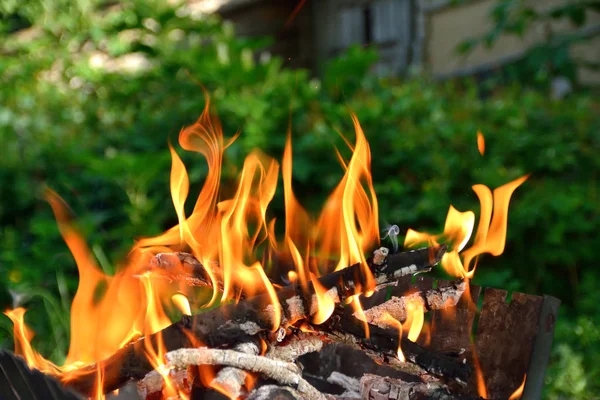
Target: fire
x=491, y=231
x=325, y=303
x=393, y=322
x=481, y=388
x=415, y=319
x=232, y=233
x=360, y=313
x=519, y=391
x=480, y=143
x=182, y=303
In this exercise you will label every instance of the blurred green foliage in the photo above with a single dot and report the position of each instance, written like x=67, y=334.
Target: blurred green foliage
x=89, y=98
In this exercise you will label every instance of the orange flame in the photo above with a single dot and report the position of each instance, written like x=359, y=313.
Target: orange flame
x=391, y=321
x=480, y=143
x=519, y=391
x=490, y=237
x=360, y=313
x=481, y=388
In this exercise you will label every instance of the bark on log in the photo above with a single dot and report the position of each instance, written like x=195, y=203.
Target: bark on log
x=235, y=323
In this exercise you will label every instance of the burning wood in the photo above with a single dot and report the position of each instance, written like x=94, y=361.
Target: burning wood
x=366, y=301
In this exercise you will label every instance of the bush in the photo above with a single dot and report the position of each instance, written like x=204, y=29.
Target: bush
x=98, y=136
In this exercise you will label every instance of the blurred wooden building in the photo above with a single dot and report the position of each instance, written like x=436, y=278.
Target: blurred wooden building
x=422, y=33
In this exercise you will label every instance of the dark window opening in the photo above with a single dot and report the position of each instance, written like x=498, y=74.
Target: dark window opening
x=368, y=25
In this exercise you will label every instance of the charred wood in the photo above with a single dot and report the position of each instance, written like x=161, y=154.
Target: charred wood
x=388, y=340
x=235, y=323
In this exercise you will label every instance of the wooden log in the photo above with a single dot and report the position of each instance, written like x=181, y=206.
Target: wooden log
x=373, y=387
x=235, y=323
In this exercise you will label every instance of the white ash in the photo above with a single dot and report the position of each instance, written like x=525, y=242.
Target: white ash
x=251, y=328
x=295, y=308
x=349, y=383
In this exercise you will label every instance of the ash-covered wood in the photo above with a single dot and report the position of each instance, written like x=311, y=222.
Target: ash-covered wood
x=152, y=386
x=232, y=379
x=282, y=372
x=373, y=387
x=295, y=348
x=274, y=392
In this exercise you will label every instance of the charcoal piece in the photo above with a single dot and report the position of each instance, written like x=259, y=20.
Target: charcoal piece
x=342, y=358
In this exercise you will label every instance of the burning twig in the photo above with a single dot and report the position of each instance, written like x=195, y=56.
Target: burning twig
x=280, y=371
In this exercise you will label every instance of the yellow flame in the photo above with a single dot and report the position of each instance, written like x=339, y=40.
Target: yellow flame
x=325, y=303
x=415, y=318
x=182, y=303
x=481, y=388
x=360, y=313
x=391, y=321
